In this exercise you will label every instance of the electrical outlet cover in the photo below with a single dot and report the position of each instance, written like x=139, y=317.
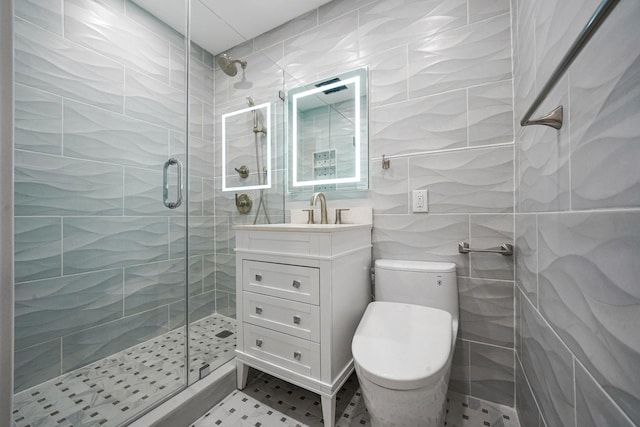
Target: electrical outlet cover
x=420, y=201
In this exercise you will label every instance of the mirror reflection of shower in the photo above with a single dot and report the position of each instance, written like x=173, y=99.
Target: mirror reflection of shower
x=258, y=131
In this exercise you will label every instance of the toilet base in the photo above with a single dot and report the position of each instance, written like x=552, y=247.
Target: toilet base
x=404, y=408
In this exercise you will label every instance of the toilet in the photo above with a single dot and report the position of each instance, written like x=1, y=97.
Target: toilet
x=403, y=346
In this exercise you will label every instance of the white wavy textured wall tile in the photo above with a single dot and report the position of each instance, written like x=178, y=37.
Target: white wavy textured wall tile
x=38, y=120
x=589, y=294
x=51, y=63
x=419, y=125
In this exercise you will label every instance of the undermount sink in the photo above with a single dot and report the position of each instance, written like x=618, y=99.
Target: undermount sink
x=309, y=228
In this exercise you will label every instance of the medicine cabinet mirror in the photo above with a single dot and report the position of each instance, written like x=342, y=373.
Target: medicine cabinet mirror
x=328, y=134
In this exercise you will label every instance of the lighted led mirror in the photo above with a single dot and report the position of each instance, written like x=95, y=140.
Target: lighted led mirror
x=328, y=134
x=246, y=148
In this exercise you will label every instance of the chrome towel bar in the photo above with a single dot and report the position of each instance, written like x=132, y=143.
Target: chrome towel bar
x=505, y=249
x=554, y=118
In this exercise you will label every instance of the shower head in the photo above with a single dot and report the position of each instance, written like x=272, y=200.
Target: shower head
x=228, y=64
x=250, y=102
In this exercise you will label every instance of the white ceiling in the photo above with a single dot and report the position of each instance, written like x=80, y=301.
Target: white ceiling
x=218, y=25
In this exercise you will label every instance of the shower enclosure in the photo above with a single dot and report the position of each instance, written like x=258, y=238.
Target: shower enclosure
x=124, y=265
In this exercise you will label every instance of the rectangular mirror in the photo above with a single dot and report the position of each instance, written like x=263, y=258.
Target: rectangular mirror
x=246, y=148
x=328, y=134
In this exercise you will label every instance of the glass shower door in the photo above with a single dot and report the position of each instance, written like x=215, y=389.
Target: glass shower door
x=101, y=254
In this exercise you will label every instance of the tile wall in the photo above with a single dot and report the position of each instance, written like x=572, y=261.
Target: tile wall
x=100, y=106
x=577, y=222
x=262, y=81
x=441, y=109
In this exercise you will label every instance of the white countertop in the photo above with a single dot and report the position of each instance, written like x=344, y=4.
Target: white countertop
x=301, y=228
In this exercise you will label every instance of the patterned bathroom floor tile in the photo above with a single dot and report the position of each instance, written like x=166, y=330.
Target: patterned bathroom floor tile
x=267, y=401
x=467, y=411
x=110, y=391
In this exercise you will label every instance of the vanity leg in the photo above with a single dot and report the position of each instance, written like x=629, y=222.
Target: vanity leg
x=242, y=373
x=328, y=410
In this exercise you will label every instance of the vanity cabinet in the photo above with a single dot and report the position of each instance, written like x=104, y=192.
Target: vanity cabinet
x=301, y=292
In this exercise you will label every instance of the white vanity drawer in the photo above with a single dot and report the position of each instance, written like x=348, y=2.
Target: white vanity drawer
x=282, y=280
x=284, y=350
x=291, y=317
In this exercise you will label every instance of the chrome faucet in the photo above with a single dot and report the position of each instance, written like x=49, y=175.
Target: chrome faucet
x=323, y=206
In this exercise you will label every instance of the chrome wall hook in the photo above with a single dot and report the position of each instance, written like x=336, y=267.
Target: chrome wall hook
x=386, y=163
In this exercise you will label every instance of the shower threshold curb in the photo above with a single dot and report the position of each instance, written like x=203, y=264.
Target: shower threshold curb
x=190, y=404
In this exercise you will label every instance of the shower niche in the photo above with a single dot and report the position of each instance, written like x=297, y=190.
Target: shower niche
x=328, y=134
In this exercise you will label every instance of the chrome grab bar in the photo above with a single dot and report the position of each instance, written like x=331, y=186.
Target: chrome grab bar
x=165, y=187
x=505, y=249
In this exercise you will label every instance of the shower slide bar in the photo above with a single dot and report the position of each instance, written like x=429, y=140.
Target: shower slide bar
x=504, y=249
x=555, y=117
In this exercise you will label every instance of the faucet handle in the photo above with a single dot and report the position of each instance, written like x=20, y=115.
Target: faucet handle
x=310, y=219
x=339, y=215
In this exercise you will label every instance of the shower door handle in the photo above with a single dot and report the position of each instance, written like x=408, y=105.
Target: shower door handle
x=165, y=187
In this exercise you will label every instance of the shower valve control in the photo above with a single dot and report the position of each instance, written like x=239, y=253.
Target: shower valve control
x=420, y=201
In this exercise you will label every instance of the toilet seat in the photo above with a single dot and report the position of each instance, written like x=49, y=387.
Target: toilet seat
x=402, y=346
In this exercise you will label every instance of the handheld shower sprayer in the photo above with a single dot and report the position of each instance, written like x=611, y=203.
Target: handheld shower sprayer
x=257, y=127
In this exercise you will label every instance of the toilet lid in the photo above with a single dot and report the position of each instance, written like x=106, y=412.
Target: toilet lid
x=402, y=346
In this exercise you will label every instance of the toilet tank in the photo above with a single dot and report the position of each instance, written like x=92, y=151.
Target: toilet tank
x=432, y=284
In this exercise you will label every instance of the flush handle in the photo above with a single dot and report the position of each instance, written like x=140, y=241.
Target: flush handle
x=296, y=320
x=296, y=284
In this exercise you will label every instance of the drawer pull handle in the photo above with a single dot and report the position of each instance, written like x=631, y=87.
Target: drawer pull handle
x=297, y=355
x=296, y=320
x=258, y=310
x=258, y=277
x=259, y=342
x=296, y=284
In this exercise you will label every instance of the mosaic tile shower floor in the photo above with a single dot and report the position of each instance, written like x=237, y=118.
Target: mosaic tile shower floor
x=110, y=391
x=271, y=402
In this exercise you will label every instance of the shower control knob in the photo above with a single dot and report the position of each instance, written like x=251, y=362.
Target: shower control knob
x=259, y=343
x=243, y=171
x=296, y=284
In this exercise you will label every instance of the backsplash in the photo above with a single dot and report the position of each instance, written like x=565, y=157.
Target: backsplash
x=577, y=225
